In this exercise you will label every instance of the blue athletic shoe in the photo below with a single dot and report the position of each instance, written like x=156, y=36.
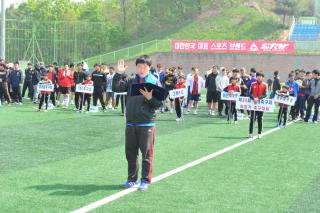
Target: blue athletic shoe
x=129, y=184
x=144, y=185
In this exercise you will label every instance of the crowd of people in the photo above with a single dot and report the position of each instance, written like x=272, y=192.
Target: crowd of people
x=16, y=85
x=111, y=86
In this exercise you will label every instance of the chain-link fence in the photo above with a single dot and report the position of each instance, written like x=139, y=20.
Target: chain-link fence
x=131, y=52
x=77, y=41
x=54, y=41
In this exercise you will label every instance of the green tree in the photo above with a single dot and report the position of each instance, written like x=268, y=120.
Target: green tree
x=285, y=8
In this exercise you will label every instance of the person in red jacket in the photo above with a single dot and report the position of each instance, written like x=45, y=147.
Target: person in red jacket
x=65, y=78
x=258, y=91
x=231, y=107
x=86, y=98
x=44, y=95
x=180, y=85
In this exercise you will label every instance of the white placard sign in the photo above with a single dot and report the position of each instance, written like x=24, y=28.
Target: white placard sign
x=264, y=105
x=227, y=96
x=290, y=100
x=177, y=93
x=82, y=88
x=45, y=87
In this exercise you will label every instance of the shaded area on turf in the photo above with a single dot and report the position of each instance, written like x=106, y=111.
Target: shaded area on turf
x=309, y=199
x=74, y=190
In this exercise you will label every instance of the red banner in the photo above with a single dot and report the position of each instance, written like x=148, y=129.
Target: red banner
x=271, y=47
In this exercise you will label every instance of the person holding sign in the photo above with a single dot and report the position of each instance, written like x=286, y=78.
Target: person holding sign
x=258, y=91
x=283, y=112
x=140, y=121
x=231, y=106
x=44, y=94
x=178, y=101
x=85, y=97
x=293, y=91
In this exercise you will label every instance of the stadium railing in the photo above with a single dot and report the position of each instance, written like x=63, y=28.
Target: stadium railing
x=131, y=52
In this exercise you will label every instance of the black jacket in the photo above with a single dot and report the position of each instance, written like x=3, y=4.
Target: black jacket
x=78, y=77
x=99, y=80
x=116, y=79
x=28, y=74
x=139, y=110
x=36, y=77
x=211, y=82
x=276, y=84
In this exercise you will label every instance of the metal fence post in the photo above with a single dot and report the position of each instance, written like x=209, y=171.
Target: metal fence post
x=128, y=52
x=142, y=49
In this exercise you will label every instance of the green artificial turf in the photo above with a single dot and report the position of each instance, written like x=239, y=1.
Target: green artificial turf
x=60, y=161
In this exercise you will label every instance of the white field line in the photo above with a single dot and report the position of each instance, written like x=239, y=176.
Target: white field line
x=125, y=192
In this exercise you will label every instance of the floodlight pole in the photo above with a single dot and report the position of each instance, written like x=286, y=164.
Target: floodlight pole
x=3, y=31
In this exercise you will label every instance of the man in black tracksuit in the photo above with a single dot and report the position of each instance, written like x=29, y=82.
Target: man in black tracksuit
x=35, y=79
x=213, y=95
x=15, y=79
x=140, y=116
x=116, y=78
x=99, y=83
x=27, y=84
x=276, y=86
x=78, y=76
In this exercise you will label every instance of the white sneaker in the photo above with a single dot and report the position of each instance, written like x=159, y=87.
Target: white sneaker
x=171, y=111
x=212, y=113
x=250, y=136
x=178, y=119
x=259, y=136
x=195, y=112
x=209, y=112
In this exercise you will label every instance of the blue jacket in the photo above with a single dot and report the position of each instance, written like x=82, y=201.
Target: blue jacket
x=15, y=78
x=295, y=88
x=162, y=77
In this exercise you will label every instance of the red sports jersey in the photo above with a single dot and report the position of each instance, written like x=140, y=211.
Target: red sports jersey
x=258, y=90
x=87, y=82
x=65, y=79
